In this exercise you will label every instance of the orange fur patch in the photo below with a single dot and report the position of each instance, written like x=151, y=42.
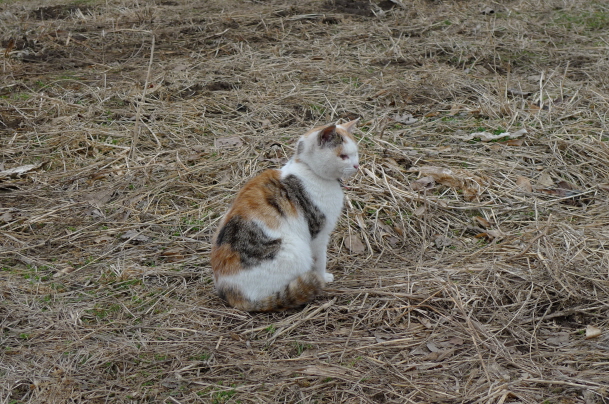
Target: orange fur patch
x=345, y=134
x=338, y=150
x=224, y=261
x=252, y=201
x=235, y=298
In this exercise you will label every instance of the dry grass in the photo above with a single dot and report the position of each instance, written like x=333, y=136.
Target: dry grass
x=477, y=290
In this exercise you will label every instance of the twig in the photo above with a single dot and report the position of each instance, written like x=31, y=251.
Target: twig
x=138, y=114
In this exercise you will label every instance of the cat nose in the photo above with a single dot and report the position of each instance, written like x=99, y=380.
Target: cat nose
x=356, y=166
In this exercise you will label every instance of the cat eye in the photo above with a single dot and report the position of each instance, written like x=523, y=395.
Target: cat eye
x=344, y=156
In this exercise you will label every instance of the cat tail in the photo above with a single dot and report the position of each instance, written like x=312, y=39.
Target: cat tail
x=298, y=292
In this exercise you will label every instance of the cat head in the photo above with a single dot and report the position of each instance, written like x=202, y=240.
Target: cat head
x=330, y=151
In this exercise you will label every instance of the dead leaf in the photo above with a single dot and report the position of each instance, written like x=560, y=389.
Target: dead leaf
x=103, y=239
x=393, y=241
x=359, y=218
x=418, y=351
x=405, y=119
x=420, y=211
x=445, y=354
x=482, y=222
x=524, y=183
x=561, y=338
x=64, y=271
x=19, y=171
x=496, y=147
x=545, y=180
x=495, y=234
x=423, y=183
x=571, y=195
x=426, y=323
x=378, y=337
x=171, y=382
x=513, y=142
x=228, y=142
x=432, y=356
x=378, y=94
x=462, y=180
x=9, y=47
x=566, y=186
x=432, y=347
x=443, y=241
x=134, y=235
x=174, y=254
x=454, y=109
x=456, y=341
x=442, y=175
x=382, y=226
x=6, y=217
x=100, y=198
x=443, y=149
x=491, y=235
x=592, y=331
x=515, y=91
x=354, y=244
x=487, y=136
x=386, y=233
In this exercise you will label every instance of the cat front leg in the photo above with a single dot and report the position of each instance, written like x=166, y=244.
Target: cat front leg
x=319, y=247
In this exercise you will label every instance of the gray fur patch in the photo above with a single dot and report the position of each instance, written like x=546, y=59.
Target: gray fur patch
x=297, y=194
x=328, y=137
x=300, y=148
x=276, y=195
x=249, y=240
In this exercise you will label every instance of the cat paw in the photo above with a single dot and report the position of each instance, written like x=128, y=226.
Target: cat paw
x=328, y=277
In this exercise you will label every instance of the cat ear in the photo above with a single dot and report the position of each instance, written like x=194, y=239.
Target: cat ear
x=328, y=137
x=350, y=126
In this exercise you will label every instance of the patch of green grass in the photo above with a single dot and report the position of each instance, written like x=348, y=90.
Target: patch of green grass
x=21, y=96
x=102, y=313
x=587, y=20
x=82, y=2
x=354, y=81
x=46, y=299
x=301, y=347
x=200, y=357
x=317, y=109
x=354, y=361
x=498, y=131
x=220, y=397
x=34, y=274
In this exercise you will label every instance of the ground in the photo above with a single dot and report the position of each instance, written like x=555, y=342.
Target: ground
x=470, y=267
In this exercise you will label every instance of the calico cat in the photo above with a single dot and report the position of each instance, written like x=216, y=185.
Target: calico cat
x=269, y=252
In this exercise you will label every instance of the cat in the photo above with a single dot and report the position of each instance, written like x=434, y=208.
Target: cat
x=269, y=252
